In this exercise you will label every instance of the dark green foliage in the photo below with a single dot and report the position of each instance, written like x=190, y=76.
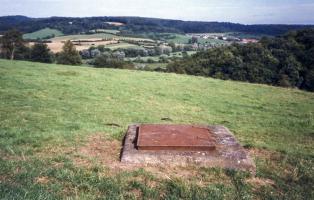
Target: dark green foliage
x=135, y=25
x=134, y=52
x=284, y=61
x=111, y=60
x=102, y=48
x=41, y=53
x=12, y=45
x=69, y=55
x=193, y=40
x=309, y=80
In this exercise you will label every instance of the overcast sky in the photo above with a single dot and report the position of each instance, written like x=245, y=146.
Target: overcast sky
x=242, y=11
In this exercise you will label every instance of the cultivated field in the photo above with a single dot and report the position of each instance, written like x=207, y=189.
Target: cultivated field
x=112, y=40
x=93, y=40
x=184, y=39
x=42, y=34
x=61, y=129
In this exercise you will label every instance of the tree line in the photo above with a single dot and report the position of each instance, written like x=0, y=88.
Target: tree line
x=286, y=61
x=136, y=25
x=14, y=47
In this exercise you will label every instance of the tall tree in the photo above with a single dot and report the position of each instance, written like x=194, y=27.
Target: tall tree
x=11, y=41
x=69, y=55
x=41, y=53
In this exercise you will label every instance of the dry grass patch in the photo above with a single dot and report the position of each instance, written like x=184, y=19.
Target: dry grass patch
x=98, y=149
x=264, y=154
x=101, y=150
x=42, y=180
x=259, y=182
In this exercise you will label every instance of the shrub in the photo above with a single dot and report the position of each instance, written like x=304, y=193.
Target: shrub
x=107, y=60
x=41, y=53
x=69, y=55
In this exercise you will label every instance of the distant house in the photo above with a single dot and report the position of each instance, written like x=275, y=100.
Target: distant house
x=233, y=39
x=246, y=41
x=115, y=23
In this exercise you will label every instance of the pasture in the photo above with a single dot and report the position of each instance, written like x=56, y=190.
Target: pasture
x=87, y=40
x=42, y=34
x=184, y=39
x=61, y=129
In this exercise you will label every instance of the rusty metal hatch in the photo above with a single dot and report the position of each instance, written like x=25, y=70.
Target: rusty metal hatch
x=174, y=137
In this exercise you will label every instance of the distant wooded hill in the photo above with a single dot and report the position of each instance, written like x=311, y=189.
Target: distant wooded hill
x=135, y=25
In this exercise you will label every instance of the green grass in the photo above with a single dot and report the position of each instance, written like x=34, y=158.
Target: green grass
x=111, y=31
x=180, y=39
x=184, y=39
x=107, y=36
x=43, y=33
x=247, y=35
x=47, y=111
x=86, y=36
x=123, y=45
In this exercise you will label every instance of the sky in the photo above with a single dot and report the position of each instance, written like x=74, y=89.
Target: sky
x=238, y=11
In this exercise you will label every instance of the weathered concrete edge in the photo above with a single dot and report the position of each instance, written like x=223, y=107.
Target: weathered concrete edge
x=230, y=154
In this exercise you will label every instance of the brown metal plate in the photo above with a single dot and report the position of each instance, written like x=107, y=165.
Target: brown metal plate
x=174, y=137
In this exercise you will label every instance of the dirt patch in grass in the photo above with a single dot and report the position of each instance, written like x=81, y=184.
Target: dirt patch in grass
x=263, y=154
x=259, y=182
x=101, y=150
x=272, y=161
x=3, y=178
x=42, y=180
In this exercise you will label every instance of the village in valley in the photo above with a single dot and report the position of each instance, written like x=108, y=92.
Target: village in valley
x=145, y=52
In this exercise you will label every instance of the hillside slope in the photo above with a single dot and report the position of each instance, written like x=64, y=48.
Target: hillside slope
x=43, y=34
x=138, y=25
x=49, y=106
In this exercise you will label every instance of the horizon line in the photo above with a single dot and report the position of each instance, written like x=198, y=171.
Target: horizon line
x=286, y=24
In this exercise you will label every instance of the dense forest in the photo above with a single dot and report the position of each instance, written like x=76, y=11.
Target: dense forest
x=286, y=61
x=136, y=25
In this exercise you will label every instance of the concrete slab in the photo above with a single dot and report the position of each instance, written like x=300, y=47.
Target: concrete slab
x=174, y=137
x=228, y=153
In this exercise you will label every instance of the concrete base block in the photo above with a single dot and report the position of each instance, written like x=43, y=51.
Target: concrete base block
x=227, y=154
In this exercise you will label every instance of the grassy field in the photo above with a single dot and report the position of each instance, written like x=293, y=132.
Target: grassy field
x=180, y=39
x=123, y=45
x=95, y=39
x=107, y=36
x=43, y=33
x=61, y=127
x=111, y=31
x=246, y=35
x=184, y=39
